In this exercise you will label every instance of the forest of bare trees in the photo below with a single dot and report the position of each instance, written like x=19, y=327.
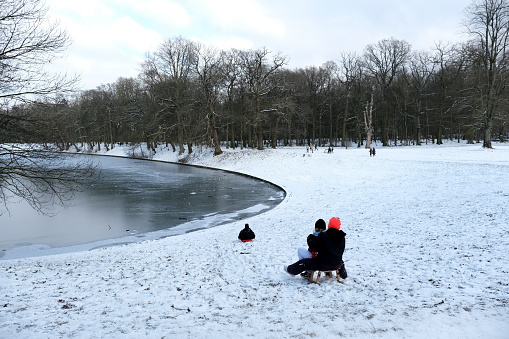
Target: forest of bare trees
x=189, y=94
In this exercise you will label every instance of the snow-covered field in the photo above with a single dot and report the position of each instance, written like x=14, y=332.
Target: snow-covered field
x=427, y=253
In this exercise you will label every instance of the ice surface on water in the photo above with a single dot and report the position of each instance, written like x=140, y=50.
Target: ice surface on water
x=134, y=198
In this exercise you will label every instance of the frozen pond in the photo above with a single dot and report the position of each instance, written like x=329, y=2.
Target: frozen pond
x=135, y=200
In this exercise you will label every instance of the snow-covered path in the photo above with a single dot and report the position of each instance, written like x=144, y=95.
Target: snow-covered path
x=427, y=256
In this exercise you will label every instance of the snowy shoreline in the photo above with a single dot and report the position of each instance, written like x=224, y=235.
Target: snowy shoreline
x=426, y=253
x=28, y=249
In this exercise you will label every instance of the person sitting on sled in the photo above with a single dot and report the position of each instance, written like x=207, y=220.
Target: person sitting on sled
x=330, y=246
x=303, y=252
x=246, y=234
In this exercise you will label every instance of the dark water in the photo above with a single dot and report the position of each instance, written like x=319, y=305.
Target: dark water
x=135, y=200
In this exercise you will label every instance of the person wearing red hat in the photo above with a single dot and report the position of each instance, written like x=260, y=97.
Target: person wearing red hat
x=330, y=246
x=335, y=223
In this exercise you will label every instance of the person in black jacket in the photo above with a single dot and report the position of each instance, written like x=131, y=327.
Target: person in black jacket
x=302, y=252
x=246, y=234
x=330, y=246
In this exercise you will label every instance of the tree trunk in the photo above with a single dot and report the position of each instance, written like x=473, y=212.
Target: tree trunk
x=274, y=137
x=488, y=121
x=345, y=118
x=233, y=135
x=384, y=127
x=418, y=130
x=368, y=121
x=180, y=140
x=215, y=136
x=439, y=132
x=330, y=122
x=290, y=142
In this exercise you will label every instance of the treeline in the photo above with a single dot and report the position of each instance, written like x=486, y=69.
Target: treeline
x=188, y=94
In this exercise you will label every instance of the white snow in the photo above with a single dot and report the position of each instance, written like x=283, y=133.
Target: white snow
x=427, y=254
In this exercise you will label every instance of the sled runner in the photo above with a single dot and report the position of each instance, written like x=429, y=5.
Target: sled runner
x=327, y=274
x=340, y=274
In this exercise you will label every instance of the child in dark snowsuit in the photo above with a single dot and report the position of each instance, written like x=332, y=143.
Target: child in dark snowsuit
x=246, y=234
x=303, y=252
x=330, y=246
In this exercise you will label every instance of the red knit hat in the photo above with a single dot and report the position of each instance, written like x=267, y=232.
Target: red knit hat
x=335, y=223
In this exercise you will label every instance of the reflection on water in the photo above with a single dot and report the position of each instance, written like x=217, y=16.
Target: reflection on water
x=133, y=197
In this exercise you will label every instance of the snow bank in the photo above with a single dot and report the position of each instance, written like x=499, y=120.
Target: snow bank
x=427, y=256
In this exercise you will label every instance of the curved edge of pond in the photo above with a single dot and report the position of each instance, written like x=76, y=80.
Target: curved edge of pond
x=197, y=166
x=191, y=165
x=37, y=250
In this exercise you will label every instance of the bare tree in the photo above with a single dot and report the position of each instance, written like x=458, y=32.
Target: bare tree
x=350, y=73
x=258, y=70
x=168, y=73
x=28, y=43
x=421, y=69
x=384, y=60
x=330, y=74
x=368, y=121
x=40, y=177
x=208, y=68
x=231, y=74
x=488, y=23
x=314, y=81
x=448, y=67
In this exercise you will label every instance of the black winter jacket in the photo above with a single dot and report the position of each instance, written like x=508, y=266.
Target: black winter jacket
x=330, y=246
x=246, y=234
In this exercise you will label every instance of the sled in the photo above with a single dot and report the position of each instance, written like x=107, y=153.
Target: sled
x=327, y=274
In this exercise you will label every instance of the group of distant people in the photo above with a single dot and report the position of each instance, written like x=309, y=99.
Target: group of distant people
x=315, y=148
x=312, y=148
x=372, y=151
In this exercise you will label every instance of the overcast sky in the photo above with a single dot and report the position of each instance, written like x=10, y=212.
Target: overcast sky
x=111, y=37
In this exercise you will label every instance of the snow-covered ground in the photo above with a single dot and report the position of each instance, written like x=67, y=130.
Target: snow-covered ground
x=427, y=253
